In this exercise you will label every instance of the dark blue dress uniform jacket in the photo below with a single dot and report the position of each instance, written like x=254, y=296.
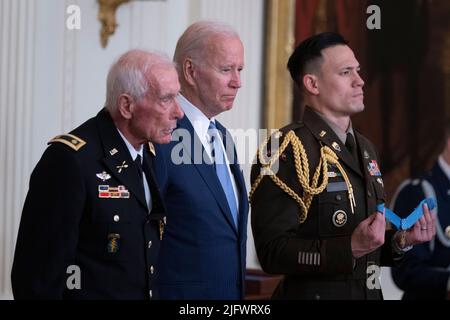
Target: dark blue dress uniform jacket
x=316, y=256
x=65, y=222
x=424, y=271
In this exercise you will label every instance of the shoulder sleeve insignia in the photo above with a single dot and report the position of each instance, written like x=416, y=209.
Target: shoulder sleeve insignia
x=151, y=147
x=70, y=140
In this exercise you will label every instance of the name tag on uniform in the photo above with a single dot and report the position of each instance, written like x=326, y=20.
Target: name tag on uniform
x=336, y=186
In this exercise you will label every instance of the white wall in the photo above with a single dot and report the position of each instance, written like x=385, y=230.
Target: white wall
x=52, y=79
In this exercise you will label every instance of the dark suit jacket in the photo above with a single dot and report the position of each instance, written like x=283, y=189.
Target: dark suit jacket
x=424, y=271
x=203, y=254
x=65, y=222
x=316, y=256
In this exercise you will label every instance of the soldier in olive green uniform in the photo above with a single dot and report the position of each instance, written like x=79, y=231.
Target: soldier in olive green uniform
x=314, y=193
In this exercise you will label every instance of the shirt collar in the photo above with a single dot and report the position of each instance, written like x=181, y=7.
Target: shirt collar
x=199, y=121
x=342, y=135
x=130, y=148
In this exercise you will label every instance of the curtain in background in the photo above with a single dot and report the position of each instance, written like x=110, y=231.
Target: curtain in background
x=405, y=68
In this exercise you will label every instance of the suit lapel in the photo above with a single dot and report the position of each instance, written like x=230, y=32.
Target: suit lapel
x=206, y=170
x=117, y=157
x=317, y=127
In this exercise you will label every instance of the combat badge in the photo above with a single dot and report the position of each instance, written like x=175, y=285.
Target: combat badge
x=339, y=218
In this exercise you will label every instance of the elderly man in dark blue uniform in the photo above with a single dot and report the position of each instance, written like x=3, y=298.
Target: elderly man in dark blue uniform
x=93, y=218
x=425, y=271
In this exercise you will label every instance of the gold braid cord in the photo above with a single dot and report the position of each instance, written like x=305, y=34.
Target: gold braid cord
x=327, y=156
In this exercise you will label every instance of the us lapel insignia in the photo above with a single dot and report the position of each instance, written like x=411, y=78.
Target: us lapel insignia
x=113, y=242
x=366, y=154
x=122, y=166
x=322, y=133
x=113, y=151
x=336, y=146
x=103, y=176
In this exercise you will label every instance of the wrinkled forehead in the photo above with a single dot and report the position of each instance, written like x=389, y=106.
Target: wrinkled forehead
x=220, y=46
x=162, y=75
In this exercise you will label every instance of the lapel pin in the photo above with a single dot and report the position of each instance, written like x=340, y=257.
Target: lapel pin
x=336, y=146
x=122, y=166
x=151, y=147
x=103, y=176
x=113, y=151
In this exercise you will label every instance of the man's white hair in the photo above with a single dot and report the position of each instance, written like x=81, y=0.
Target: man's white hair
x=129, y=74
x=194, y=40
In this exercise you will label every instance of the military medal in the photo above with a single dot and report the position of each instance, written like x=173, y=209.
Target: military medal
x=119, y=192
x=373, y=169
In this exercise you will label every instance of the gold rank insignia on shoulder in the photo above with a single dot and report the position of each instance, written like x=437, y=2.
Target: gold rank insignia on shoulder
x=70, y=140
x=151, y=147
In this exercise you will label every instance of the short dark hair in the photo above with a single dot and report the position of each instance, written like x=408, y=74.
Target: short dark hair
x=310, y=50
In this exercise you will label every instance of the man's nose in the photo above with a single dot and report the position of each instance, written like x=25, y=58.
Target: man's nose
x=235, y=80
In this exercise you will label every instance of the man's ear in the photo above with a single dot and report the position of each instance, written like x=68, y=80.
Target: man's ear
x=125, y=106
x=310, y=84
x=189, y=71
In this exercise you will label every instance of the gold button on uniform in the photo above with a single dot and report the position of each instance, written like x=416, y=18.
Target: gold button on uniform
x=116, y=218
x=149, y=244
x=152, y=269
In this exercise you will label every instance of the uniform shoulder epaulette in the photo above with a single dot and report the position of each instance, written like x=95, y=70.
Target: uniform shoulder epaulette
x=70, y=140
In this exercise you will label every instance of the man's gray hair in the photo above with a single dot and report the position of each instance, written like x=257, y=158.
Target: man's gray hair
x=129, y=75
x=194, y=40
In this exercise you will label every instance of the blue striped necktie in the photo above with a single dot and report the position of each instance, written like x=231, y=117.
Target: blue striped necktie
x=222, y=172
